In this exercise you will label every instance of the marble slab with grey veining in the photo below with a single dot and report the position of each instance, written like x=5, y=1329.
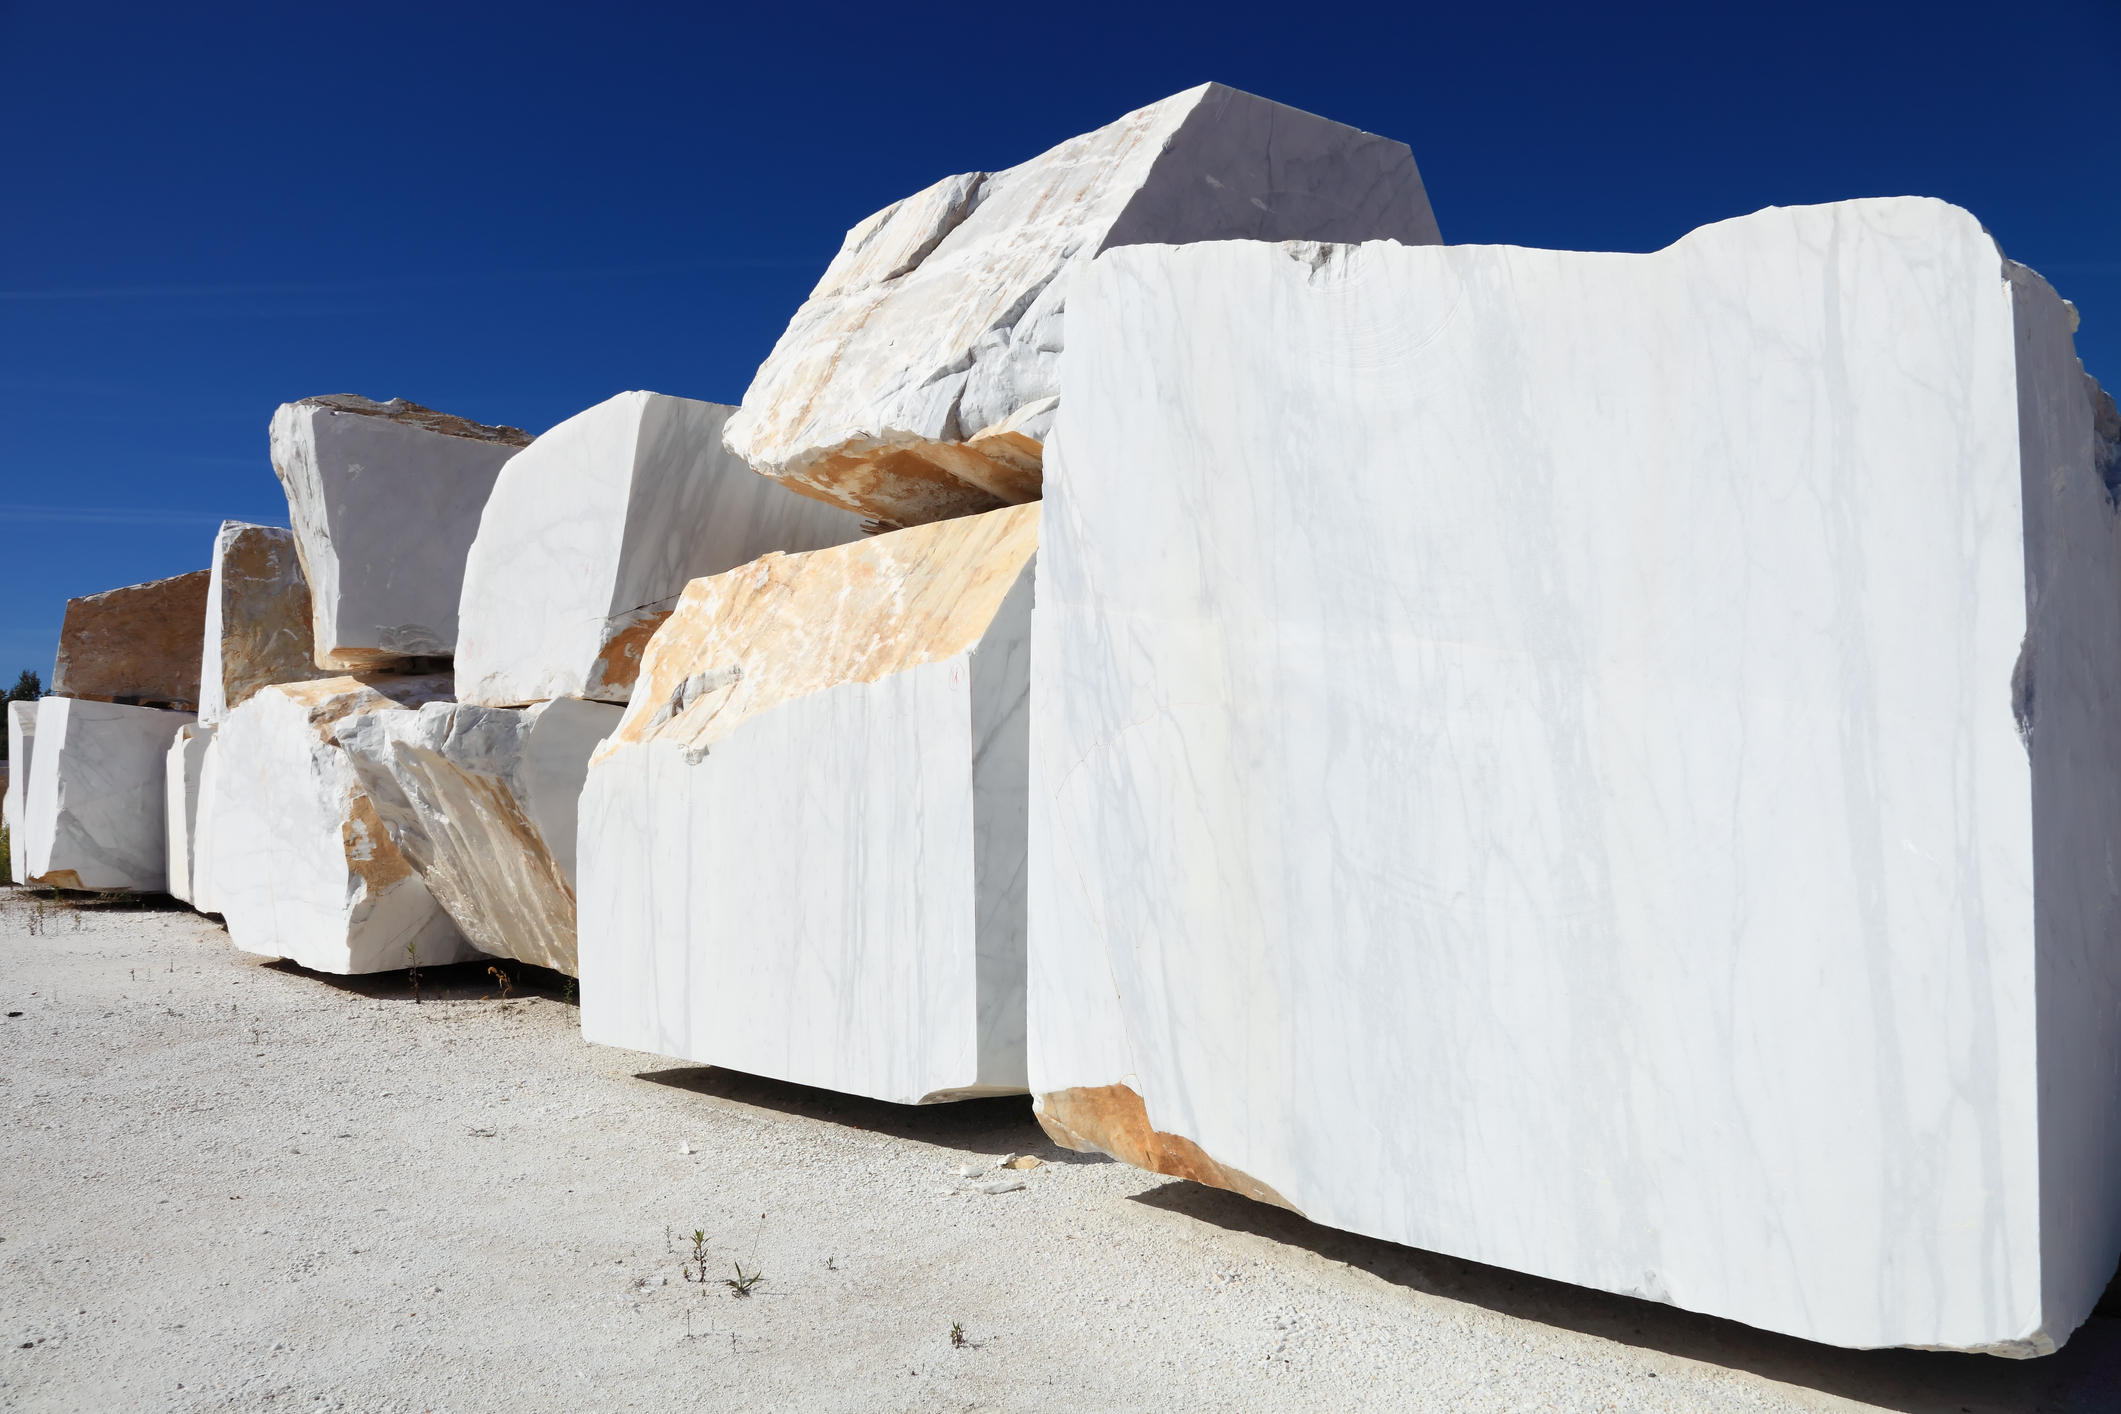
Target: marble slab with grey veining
x=1601, y=764
x=93, y=816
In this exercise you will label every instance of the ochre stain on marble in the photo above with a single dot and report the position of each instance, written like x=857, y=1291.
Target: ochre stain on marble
x=1111, y=1119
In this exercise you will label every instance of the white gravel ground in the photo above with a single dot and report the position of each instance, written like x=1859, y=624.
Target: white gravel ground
x=233, y=1185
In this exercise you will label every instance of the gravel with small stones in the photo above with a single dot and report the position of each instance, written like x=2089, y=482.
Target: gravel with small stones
x=236, y=1185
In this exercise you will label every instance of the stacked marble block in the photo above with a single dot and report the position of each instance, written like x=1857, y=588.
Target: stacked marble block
x=582, y=550
x=89, y=811
x=802, y=851
x=1620, y=743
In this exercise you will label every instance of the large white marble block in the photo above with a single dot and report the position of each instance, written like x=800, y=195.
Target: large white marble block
x=385, y=499
x=594, y=530
x=301, y=866
x=183, y=766
x=93, y=816
x=1603, y=765
x=801, y=854
x=257, y=618
x=138, y=645
x=918, y=380
x=21, y=752
x=482, y=801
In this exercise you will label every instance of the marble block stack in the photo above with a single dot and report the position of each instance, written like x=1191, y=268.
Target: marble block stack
x=1623, y=743
x=919, y=379
x=1596, y=764
x=125, y=681
x=802, y=852
x=582, y=550
x=352, y=611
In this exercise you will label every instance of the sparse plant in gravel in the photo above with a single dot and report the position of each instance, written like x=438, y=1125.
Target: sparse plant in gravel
x=501, y=977
x=698, y=1263
x=412, y=968
x=957, y=1335
x=743, y=1281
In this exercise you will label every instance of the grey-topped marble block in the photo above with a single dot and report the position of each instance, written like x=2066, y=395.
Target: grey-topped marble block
x=385, y=499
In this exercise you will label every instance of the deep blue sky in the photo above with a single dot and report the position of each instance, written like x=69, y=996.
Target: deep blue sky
x=514, y=211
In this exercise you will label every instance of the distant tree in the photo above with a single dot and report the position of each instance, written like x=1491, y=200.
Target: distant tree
x=28, y=688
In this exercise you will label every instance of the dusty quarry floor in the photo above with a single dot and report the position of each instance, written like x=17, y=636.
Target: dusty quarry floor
x=226, y=1184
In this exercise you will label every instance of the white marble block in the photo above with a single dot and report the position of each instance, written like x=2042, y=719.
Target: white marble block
x=385, y=499
x=301, y=866
x=481, y=801
x=257, y=618
x=801, y=854
x=93, y=814
x=21, y=752
x=592, y=533
x=1598, y=764
x=182, y=767
x=918, y=380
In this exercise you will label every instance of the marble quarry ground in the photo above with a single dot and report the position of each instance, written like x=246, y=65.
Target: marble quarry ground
x=234, y=1184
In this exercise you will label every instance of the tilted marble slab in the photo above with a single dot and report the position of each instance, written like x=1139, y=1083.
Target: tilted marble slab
x=300, y=864
x=918, y=380
x=801, y=854
x=257, y=618
x=482, y=801
x=21, y=753
x=1525, y=763
x=93, y=815
x=385, y=499
x=594, y=530
x=138, y=645
x=183, y=767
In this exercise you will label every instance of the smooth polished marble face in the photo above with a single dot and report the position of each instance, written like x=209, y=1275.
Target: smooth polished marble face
x=301, y=865
x=801, y=854
x=384, y=499
x=93, y=813
x=592, y=533
x=1599, y=764
x=919, y=379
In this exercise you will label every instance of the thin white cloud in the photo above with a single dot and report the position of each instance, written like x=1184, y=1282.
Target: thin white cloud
x=116, y=515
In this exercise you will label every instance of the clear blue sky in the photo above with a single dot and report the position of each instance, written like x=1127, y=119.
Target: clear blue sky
x=514, y=211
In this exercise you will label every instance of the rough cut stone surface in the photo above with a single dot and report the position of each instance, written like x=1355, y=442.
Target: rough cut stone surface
x=21, y=752
x=301, y=865
x=93, y=815
x=593, y=532
x=138, y=645
x=481, y=801
x=385, y=499
x=918, y=380
x=1526, y=763
x=257, y=618
x=802, y=852
x=183, y=765
x=204, y=897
